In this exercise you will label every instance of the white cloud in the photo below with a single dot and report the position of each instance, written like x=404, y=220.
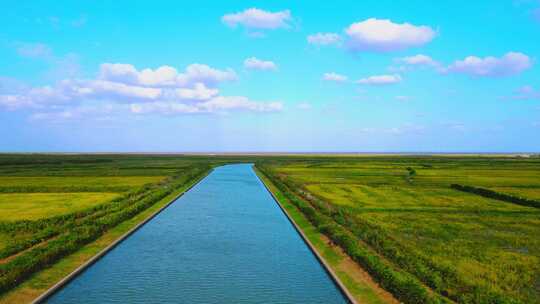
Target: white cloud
x=419, y=59
x=162, y=90
x=511, y=63
x=198, y=92
x=324, y=39
x=334, y=77
x=165, y=75
x=257, y=64
x=258, y=19
x=380, y=80
x=203, y=73
x=382, y=35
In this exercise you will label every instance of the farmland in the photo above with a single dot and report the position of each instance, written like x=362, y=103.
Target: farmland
x=53, y=206
x=421, y=239
x=400, y=218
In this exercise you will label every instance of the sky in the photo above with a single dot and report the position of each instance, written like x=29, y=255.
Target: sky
x=270, y=76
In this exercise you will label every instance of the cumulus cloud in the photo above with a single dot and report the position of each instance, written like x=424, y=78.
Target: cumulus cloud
x=334, y=77
x=324, y=39
x=254, y=18
x=511, y=63
x=382, y=35
x=162, y=90
x=165, y=75
x=258, y=64
x=380, y=80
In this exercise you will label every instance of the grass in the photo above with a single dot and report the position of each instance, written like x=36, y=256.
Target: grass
x=466, y=247
x=33, y=206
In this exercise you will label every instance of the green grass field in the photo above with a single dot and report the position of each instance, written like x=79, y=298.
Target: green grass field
x=463, y=246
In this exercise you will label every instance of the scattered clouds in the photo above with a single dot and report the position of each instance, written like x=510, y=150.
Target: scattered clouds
x=217, y=104
x=511, y=63
x=419, y=60
x=148, y=91
x=324, y=39
x=379, y=80
x=254, y=18
x=34, y=50
x=165, y=76
x=334, y=77
x=382, y=35
x=258, y=64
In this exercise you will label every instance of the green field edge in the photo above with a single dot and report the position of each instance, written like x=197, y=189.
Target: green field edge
x=331, y=255
x=43, y=280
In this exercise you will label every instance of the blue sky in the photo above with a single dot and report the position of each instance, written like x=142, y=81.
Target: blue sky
x=227, y=76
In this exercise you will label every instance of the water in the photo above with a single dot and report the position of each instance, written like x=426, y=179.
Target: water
x=224, y=241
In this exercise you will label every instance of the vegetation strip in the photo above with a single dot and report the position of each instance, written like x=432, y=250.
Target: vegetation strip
x=497, y=195
x=319, y=257
x=56, y=287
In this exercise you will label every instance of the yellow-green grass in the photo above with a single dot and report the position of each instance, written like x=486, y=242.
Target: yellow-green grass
x=355, y=279
x=33, y=206
x=77, y=181
x=44, y=279
x=488, y=242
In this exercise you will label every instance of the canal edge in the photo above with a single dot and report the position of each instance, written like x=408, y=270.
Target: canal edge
x=60, y=284
x=314, y=250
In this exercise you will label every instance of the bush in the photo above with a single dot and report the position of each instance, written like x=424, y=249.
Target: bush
x=497, y=195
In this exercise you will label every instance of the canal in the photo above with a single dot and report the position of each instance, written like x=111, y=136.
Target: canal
x=224, y=241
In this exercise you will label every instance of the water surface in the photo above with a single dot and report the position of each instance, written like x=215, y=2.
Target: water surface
x=224, y=241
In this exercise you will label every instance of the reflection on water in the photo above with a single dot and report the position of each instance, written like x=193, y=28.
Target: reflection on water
x=224, y=241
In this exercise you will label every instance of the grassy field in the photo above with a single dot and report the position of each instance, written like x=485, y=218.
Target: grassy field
x=461, y=246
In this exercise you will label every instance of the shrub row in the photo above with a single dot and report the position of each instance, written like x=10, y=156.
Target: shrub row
x=89, y=229
x=497, y=195
x=404, y=286
x=62, y=189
